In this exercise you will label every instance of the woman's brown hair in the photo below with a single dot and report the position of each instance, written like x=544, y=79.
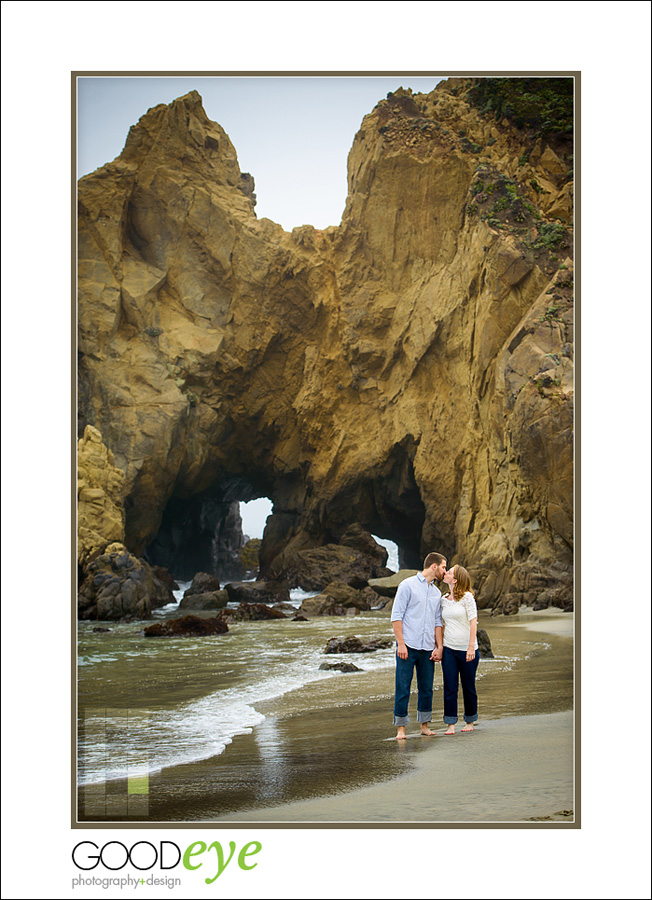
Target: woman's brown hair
x=463, y=582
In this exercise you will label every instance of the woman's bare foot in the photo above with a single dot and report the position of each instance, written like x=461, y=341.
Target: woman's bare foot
x=426, y=731
x=400, y=733
x=468, y=726
x=450, y=730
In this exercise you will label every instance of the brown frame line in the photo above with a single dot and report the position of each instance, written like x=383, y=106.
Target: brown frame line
x=576, y=824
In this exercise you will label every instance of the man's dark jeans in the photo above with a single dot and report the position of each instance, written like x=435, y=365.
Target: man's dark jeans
x=455, y=668
x=419, y=659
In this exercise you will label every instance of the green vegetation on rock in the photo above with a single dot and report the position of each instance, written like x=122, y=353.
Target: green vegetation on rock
x=543, y=104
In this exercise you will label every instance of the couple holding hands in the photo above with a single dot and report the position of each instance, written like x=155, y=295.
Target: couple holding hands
x=430, y=628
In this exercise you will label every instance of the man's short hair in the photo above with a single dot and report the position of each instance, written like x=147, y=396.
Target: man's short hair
x=433, y=559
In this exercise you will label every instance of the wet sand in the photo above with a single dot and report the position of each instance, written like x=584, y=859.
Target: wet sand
x=508, y=770
x=515, y=768
x=318, y=757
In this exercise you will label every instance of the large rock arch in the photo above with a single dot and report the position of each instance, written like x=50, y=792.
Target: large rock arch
x=409, y=370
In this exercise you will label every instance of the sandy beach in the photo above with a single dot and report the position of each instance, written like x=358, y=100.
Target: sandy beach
x=517, y=768
x=325, y=753
x=510, y=770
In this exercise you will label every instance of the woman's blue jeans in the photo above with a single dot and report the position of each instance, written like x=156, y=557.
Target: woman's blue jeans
x=455, y=668
x=419, y=660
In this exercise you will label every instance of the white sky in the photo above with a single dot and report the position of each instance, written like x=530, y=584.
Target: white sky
x=293, y=134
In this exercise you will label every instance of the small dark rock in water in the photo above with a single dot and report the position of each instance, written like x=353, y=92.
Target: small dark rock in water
x=209, y=600
x=188, y=625
x=299, y=619
x=356, y=645
x=341, y=667
x=98, y=630
x=256, y=612
x=287, y=607
x=202, y=583
x=484, y=645
x=257, y=592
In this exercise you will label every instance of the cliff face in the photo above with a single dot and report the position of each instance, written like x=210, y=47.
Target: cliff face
x=409, y=370
x=100, y=496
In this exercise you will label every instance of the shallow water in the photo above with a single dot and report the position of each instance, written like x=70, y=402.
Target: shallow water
x=232, y=721
x=173, y=700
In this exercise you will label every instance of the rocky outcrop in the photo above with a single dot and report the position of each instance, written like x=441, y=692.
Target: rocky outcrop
x=408, y=371
x=386, y=587
x=163, y=575
x=202, y=583
x=340, y=667
x=208, y=600
x=313, y=570
x=187, y=626
x=484, y=645
x=255, y=612
x=100, y=497
x=117, y=585
x=257, y=592
x=355, y=644
x=340, y=599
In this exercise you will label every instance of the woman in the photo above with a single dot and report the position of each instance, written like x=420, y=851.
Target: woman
x=460, y=657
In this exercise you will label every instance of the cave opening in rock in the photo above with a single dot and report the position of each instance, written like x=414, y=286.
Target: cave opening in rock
x=231, y=530
x=393, y=551
x=217, y=531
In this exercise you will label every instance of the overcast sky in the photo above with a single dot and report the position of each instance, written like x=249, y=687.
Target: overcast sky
x=292, y=134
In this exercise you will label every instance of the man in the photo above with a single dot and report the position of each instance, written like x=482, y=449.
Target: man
x=416, y=620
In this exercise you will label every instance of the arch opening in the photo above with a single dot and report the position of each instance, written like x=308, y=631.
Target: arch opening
x=206, y=532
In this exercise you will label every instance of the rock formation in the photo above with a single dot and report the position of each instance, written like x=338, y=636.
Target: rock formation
x=187, y=626
x=202, y=583
x=355, y=644
x=340, y=599
x=100, y=497
x=206, y=600
x=409, y=370
x=117, y=585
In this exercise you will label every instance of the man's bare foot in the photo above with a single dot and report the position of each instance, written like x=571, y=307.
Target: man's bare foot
x=450, y=730
x=400, y=733
x=426, y=731
x=468, y=726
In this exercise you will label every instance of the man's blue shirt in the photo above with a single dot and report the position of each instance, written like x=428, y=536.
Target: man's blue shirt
x=418, y=606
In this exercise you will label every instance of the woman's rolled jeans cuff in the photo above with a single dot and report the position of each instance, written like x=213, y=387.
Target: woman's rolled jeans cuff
x=452, y=720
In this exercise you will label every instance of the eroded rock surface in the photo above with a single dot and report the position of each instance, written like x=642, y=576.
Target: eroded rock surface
x=409, y=370
x=187, y=626
x=100, y=497
x=117, y=585
x=207, y=600
x=257, y=592
x=202, y=583
x=355, y=644
x=340, y=599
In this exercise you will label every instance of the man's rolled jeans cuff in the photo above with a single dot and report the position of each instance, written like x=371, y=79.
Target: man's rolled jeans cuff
x=450, y=720
x=423, y=717
x=401, y=720
x=470, y=719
